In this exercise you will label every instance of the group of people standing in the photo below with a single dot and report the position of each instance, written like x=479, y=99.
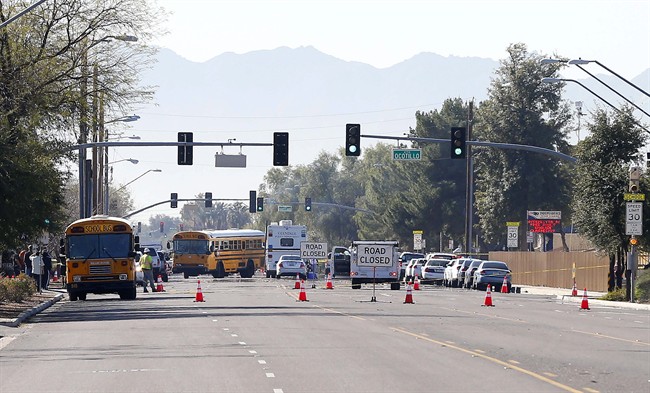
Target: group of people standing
x=36, y=263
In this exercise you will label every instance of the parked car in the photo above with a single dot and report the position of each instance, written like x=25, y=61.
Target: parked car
x=433, y=271
x=450, y=278
x=462, y=272
x=442, y=255
x=404, y=259
x=469, y=274
x=291, y=265
x=491, y=273
x=414, y=268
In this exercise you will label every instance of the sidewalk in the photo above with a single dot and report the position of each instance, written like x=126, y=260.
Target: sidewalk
x=564, y=295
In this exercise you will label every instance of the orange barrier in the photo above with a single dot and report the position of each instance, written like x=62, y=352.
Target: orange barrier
x=159, y=284
x=296, y=285
x=488, y=296
x=329, y=282
x=303, y=295
x=409, y=295
x=584, y=305
x=199, y=294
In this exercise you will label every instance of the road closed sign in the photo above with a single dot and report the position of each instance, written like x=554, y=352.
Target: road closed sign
x=373, y=255
x=310, y=250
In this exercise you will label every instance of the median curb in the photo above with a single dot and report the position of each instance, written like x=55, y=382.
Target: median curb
x=15, y=322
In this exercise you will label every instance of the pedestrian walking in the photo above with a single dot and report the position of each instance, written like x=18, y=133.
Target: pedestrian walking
x=47, y=269
x=37, y=268
x=146, y=262
x=26, y=257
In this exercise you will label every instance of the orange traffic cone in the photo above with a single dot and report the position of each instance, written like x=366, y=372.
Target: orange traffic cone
x=303, y=295
x=199, y=294
x=416, y=285
x=329, y=282
x=585, y=302
x=574, y=291
x=159, y=284
x=488, y=296
x=297, y=283
x=504, y=286
x=409, y=295
x=56, y=276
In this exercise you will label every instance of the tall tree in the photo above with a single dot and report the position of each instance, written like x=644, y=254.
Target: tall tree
x=56, y=63
x=601, y=179
x=520, y=110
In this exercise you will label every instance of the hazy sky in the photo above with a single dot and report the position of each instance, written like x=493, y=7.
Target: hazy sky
x=383, y=33
x=379, y=33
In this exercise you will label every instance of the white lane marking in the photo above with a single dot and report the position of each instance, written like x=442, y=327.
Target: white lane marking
x=277, y=391
x=270, y=375
x=214, y=320
x=242, y=343
x=205, y=312
x=261, y=361
x=234, y=335
x=226, y=329
x=252, y=351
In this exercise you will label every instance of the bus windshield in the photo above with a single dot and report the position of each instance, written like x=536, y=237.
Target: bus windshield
x=191, y=247
x=113, y=245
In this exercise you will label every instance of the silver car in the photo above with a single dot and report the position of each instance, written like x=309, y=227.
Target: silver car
x=491, y=273
x=291, y=265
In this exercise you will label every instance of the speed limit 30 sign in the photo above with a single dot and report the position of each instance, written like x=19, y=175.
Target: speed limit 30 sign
x=633, y=218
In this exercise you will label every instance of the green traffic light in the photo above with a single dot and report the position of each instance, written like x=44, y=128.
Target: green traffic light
x=458, y=151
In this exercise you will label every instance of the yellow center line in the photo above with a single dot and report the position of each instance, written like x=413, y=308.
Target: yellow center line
x=491, y=359
x=341, y=313
x=550, y=375
x=591, y=390
x=485, y=315
x=611, y=337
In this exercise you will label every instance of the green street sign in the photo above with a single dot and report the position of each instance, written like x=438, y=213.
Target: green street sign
x=407, y=154
x=285, y=208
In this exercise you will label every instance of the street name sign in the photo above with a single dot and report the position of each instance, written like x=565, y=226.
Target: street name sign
x=285, y=208
x=407, y=154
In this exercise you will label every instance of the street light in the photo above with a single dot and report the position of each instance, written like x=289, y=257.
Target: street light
x=578, y=63
x=559, y=80
x=150, y=170
x=106, y=189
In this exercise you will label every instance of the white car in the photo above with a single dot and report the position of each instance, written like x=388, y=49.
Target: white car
x=414, y=268
x=450, y=278
x=291, y=265
x=433, y=270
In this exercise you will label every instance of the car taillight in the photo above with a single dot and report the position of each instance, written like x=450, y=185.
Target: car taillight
x=302, y=264
x=280, y=264
x=464, y=268
x=482, y=272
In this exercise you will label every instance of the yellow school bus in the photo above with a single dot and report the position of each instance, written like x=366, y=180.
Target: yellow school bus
x=218, y=252
x=100, y=257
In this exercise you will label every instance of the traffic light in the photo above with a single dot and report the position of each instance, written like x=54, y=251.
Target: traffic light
x=353, y=140
x=139, y=227
x=208, y=199
x=458, y=142
x=280, y=148
x=162, y=227
x=635, y=179
x=185, y=153
x=252, y=201
x=260, y=204
x=174, y=200
x=308, y=204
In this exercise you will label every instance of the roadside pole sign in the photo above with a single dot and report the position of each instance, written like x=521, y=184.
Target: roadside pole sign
x=513, y=234
x=417, y=240
x=407, y=154
x=375, y=255
x=311, y=250
x=633, y=218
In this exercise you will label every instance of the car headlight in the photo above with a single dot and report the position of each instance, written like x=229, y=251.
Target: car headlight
x=122, y=277
x=76, y=278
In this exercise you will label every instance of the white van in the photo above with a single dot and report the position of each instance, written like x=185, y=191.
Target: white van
x=282, y=239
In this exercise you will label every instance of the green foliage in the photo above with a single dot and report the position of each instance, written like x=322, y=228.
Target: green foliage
x=642, y=294
x=520, y=110
x=617, y=295
x=16, y=289
x=601, y=178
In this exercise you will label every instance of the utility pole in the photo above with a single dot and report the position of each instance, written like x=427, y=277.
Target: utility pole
x=469, y=182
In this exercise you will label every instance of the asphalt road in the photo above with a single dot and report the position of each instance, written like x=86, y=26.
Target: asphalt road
x=253, y=335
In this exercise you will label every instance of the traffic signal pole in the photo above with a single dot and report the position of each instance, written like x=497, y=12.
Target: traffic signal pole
x=84, y=200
